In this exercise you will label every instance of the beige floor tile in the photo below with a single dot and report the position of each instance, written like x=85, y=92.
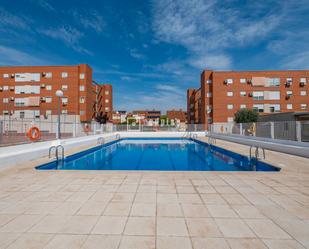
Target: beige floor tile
x=127, y=188
x=209, y=243
x=7, y=238
x=143, y=209
x=234, y=228
x=248, y=211
x=146, y=189
x=123, y=197
x=167, y=198
x=206, y=190
x=189, y=198
x=101, y=241
x=31, y=241
x=110, y=225
x=246, y=244
x=145, y=197
x=169, y=210
x=137, y=242
x=79, y=224
x=140, y=226
x=214, y=199
x=267, y=229
x=196, y=210
x=21, y=223
x=282, y=244
x=225, y=190
x=166, y=189
x=5, y=218
x=66, y=242
x=203, y=227
x=67, y=208
x=185, y=190
x=80, y=196
x=50, y=224
x=92, y=208
x=102, y=196
x=221, y=211
x=171, y=227
x=174, y=243
x=235, y=199
x=118, y=208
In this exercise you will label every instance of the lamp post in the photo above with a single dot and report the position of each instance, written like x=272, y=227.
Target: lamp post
x=59, y=94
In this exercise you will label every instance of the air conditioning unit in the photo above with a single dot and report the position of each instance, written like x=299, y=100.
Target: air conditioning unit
x=225, y=82
x=287, y=96
x=64, y=104
x=12, y=88
x=12, y=75
x=12, y=98
x=43, y=74
x=11, y=112
x=288, y=83
x=43, y=99
x=249, y=81
x=302, y=83
x=1, y=89
x=42, y=85
x=250, y=94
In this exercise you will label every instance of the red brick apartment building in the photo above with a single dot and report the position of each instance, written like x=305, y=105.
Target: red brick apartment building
x=29, y=91
x=177, y=115
x=222, y=93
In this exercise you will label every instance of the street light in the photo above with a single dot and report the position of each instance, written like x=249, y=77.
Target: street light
x=59, y=94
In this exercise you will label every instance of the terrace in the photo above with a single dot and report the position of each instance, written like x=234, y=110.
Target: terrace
x=154, y=209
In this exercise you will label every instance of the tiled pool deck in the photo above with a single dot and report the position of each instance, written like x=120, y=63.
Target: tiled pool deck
x=163, y=210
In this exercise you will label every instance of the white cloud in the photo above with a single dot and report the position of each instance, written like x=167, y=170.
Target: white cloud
x=68, y=35
x=89, y=19
x=45, y=5
x=11, y=56
x=135, y=54
x=9, y=20
x=206, y=28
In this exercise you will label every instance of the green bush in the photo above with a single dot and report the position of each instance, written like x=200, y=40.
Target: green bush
x=246, y=116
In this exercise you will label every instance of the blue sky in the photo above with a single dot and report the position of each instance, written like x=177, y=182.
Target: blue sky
x=153, y=50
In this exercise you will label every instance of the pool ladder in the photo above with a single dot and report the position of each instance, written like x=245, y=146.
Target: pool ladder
x=257, y=152
x=56, y=152
x=101, y=140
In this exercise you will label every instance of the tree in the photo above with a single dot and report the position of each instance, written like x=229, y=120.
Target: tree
x=246, y=116
x=102, y=118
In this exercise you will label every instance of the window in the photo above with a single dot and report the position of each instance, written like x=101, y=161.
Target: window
x=5, y=100
x=208, y=95
x=303, y=93
x=64, y=87
x=229, y=94
x=48, y=75
x=64, y=100
x=82, y=100
x=289, y=106
x=20, y=101
x=48, y=112
x=242, y=106
x=259, y=107
x=208, y=81
x=64, y=75
x=48, y=87
x=21, y=114
x=272, y=95
x=229, y=81
x=289, y=93
x=230, y=119
x=27, y=77
x=303, y=106
x=81, y=88
x=243, y=93
x=64, y=112
x=106, y=109
x=107, y=101
x=273, y=82
x=272, y=108
x=208, y=108
x=27, y=89
x=48, y=99
x=289, y=80
x=82, y=113
x=258, y=95
x=5, y=88
x=243, y=81
x=303, y=80
x=230, y=106
x=6, y=75
x=5, y=112
x=82, y=76
x=106, y=92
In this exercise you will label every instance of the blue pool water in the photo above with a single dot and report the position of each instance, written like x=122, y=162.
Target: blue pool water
x=158, y=154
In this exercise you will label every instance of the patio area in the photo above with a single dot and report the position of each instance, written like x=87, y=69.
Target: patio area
x=163, y=210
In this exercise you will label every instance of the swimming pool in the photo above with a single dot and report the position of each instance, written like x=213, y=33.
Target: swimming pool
x=166, y=154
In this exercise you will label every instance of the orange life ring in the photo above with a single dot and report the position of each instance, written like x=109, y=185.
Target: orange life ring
x=34, y=133
x=86, y=128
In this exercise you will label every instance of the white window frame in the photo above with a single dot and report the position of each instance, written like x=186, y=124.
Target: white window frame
x=81, y=100
x=81, y=88
x=106, y=109
x=208, y=94
x=229, y=81
x=303, y=93
x=106, y=92
x=243, y=81
x=106, y=100
x=48, y=99
x=258, y=95
x=229, y=94
x=208, y=81
x=303, y=106
x=49, y=75
x=48, y=112
x=6, y=75
x=64, y=75
x=64, y=100
x=82, y=76
x=64, y=87
x=5, y=100
x=230, y=119
x=289, y=106
x=243, y=93
x=49, y=87
x=303, y=80
x=243, y=106
x=5, y=88
x=230, y=106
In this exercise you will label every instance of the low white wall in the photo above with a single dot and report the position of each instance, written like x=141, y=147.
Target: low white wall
x=12, y=155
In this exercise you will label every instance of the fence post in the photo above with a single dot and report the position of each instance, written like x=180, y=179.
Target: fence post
x=94, y=128
x=298, y=131
x=240, y=128
x=74, y=129
x=272, y=130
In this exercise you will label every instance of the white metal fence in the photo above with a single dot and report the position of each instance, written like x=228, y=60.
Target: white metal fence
x=286, y=130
